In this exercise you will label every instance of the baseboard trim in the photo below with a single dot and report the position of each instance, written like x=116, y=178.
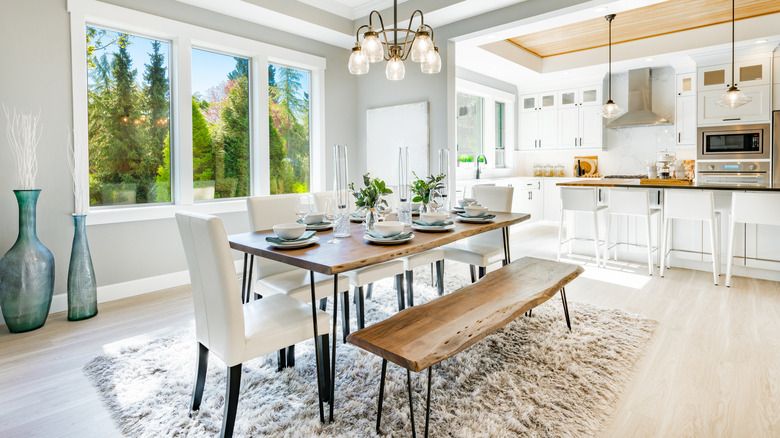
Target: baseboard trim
x=118, y=291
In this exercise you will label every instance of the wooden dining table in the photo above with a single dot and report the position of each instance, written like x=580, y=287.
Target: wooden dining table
x=356, y=252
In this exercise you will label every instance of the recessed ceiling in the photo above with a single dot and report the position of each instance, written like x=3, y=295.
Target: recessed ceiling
x=646, y=22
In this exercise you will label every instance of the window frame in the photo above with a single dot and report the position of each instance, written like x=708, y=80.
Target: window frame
x=183, y=37
x=490, y=96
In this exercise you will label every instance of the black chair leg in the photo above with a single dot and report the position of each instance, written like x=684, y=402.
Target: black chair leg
x=370, y=291
x=482, y=271
x=345, y=315
x=433, y=279
x=200, y=377
x=565, y=307
x=291, y=356
x=281, y=359
x=399, y=287
x=473, y=273
x=409, y=288
x=440, y=277
x=323, y=304
x=231, y=400
x=381, y=395
x=323, y=348
x=359, y=308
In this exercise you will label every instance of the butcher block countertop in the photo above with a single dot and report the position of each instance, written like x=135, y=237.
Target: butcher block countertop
x=635, y=183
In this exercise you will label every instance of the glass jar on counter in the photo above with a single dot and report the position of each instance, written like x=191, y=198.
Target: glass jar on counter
x=537, y=170
x=548, y=170
x=558, y=171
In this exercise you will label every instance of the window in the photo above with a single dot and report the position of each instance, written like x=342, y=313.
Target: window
x=174, y=115
x=288, y=102
x=500, y=137
x=220, y=126
x=469, y=128
x=129, y=133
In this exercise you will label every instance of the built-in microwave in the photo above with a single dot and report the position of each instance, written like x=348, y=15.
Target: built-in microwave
x=734, y=142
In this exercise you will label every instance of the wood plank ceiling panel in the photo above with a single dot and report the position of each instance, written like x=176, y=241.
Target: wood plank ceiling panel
x=650, y=21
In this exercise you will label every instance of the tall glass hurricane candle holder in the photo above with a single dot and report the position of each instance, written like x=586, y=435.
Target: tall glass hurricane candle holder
x=404, y=193
x=340, y=192
x=444, y=168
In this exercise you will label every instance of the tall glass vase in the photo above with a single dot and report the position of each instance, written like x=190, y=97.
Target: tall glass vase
x=404, y=195
x=340, y=193
x=82, y=288
x=26, y=272
x=444, y=168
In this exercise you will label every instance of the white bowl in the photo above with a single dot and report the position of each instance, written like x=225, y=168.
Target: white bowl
x=293, y=230
x=475, y=210
x=432, y=218
x=389, y=228
x=314, y=218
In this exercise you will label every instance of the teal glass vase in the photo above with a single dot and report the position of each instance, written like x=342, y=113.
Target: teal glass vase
x=82, y=288
x=26, y=272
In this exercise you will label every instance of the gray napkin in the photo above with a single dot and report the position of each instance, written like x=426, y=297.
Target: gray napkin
x=279, y=241
x=484, y=216
x=401, y=236
x=435, y=224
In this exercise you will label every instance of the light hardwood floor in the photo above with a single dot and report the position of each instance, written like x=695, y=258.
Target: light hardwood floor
x=712, y=369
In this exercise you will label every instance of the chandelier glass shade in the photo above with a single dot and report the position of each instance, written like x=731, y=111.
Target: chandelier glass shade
x=733, y=98
x=394, y=45
x=610, y=110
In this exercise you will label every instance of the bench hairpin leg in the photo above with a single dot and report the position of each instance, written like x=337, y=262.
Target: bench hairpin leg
x=428, y=402
x=332, y=398
x=381, y=395
x=411, y=406
x=565, y=307
x=317, y=358
x=249, y=281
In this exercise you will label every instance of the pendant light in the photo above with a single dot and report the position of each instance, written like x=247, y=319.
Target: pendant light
x=610, y=110
x=733, y=98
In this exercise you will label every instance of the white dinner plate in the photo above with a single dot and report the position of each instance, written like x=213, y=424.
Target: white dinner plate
x=433, y=228
x=475, y=220
x=387, y=241
x=293, y=245
x=320, y=227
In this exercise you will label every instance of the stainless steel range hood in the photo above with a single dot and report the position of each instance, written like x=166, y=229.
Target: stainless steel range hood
x=640, y=102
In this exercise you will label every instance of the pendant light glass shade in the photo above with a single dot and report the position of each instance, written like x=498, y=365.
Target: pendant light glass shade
x=432, y=63
x=395, y=70
x=371, y=46
x=610, y=110
x=422, y=45
x=733, y=98
x=358, y=62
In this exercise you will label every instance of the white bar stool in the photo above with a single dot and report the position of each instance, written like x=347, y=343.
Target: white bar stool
x=750, y=208
x=692, y=205
x=584, y=199
x=632, y=202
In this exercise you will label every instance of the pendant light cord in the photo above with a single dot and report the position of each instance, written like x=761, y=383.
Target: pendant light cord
x=610, y=58
x=733, y=82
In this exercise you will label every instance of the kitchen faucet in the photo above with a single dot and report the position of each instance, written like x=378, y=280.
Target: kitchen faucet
x=485, y=161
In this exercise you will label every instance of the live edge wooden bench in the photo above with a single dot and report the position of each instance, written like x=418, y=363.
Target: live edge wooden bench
x=422, y=336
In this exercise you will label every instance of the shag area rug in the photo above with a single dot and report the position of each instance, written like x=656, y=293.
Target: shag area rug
x=534, y=378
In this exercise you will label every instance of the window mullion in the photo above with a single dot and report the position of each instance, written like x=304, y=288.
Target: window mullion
x=182, y=121
x=261, y=165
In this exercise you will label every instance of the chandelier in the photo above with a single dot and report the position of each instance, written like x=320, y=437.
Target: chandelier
x=377, y=46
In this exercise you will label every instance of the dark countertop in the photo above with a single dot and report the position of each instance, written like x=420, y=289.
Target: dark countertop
x=635, y=184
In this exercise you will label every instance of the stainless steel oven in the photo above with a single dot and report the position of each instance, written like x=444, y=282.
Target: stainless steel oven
x=734, y=142
x=734, y=173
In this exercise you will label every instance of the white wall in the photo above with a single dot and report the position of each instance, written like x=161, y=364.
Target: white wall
x=35, y=73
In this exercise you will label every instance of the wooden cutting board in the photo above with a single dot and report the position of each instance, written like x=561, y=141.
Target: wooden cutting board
x=666, y=182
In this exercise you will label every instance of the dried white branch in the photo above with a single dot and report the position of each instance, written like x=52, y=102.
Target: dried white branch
x=23, y=136
x=78, y=161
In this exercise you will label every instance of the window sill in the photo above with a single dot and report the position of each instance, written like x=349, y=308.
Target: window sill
x=157, y=212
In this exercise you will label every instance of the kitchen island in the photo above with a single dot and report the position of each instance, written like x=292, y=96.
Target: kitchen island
x=757, y=247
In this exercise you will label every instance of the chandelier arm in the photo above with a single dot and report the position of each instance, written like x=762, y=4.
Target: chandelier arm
x=357, y=32
x=381, y=22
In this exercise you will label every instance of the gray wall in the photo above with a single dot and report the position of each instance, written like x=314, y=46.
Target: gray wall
x=36, y=73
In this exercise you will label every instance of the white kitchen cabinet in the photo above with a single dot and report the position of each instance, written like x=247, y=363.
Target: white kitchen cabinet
x=748, y=72
x=569, y=127
x=776, y=74
x=580, y=127
x=552, y=199
x=685, y=115
x=539, y=121
x=757, y=110
x=528, y=197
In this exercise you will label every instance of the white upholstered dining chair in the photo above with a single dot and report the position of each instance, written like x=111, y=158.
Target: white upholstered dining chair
x=233, y=331
x=486, y=248
x=278, y=278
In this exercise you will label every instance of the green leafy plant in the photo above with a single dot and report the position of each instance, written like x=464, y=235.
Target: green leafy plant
x=423, y=188
x=369, y=195
x=466, y=158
